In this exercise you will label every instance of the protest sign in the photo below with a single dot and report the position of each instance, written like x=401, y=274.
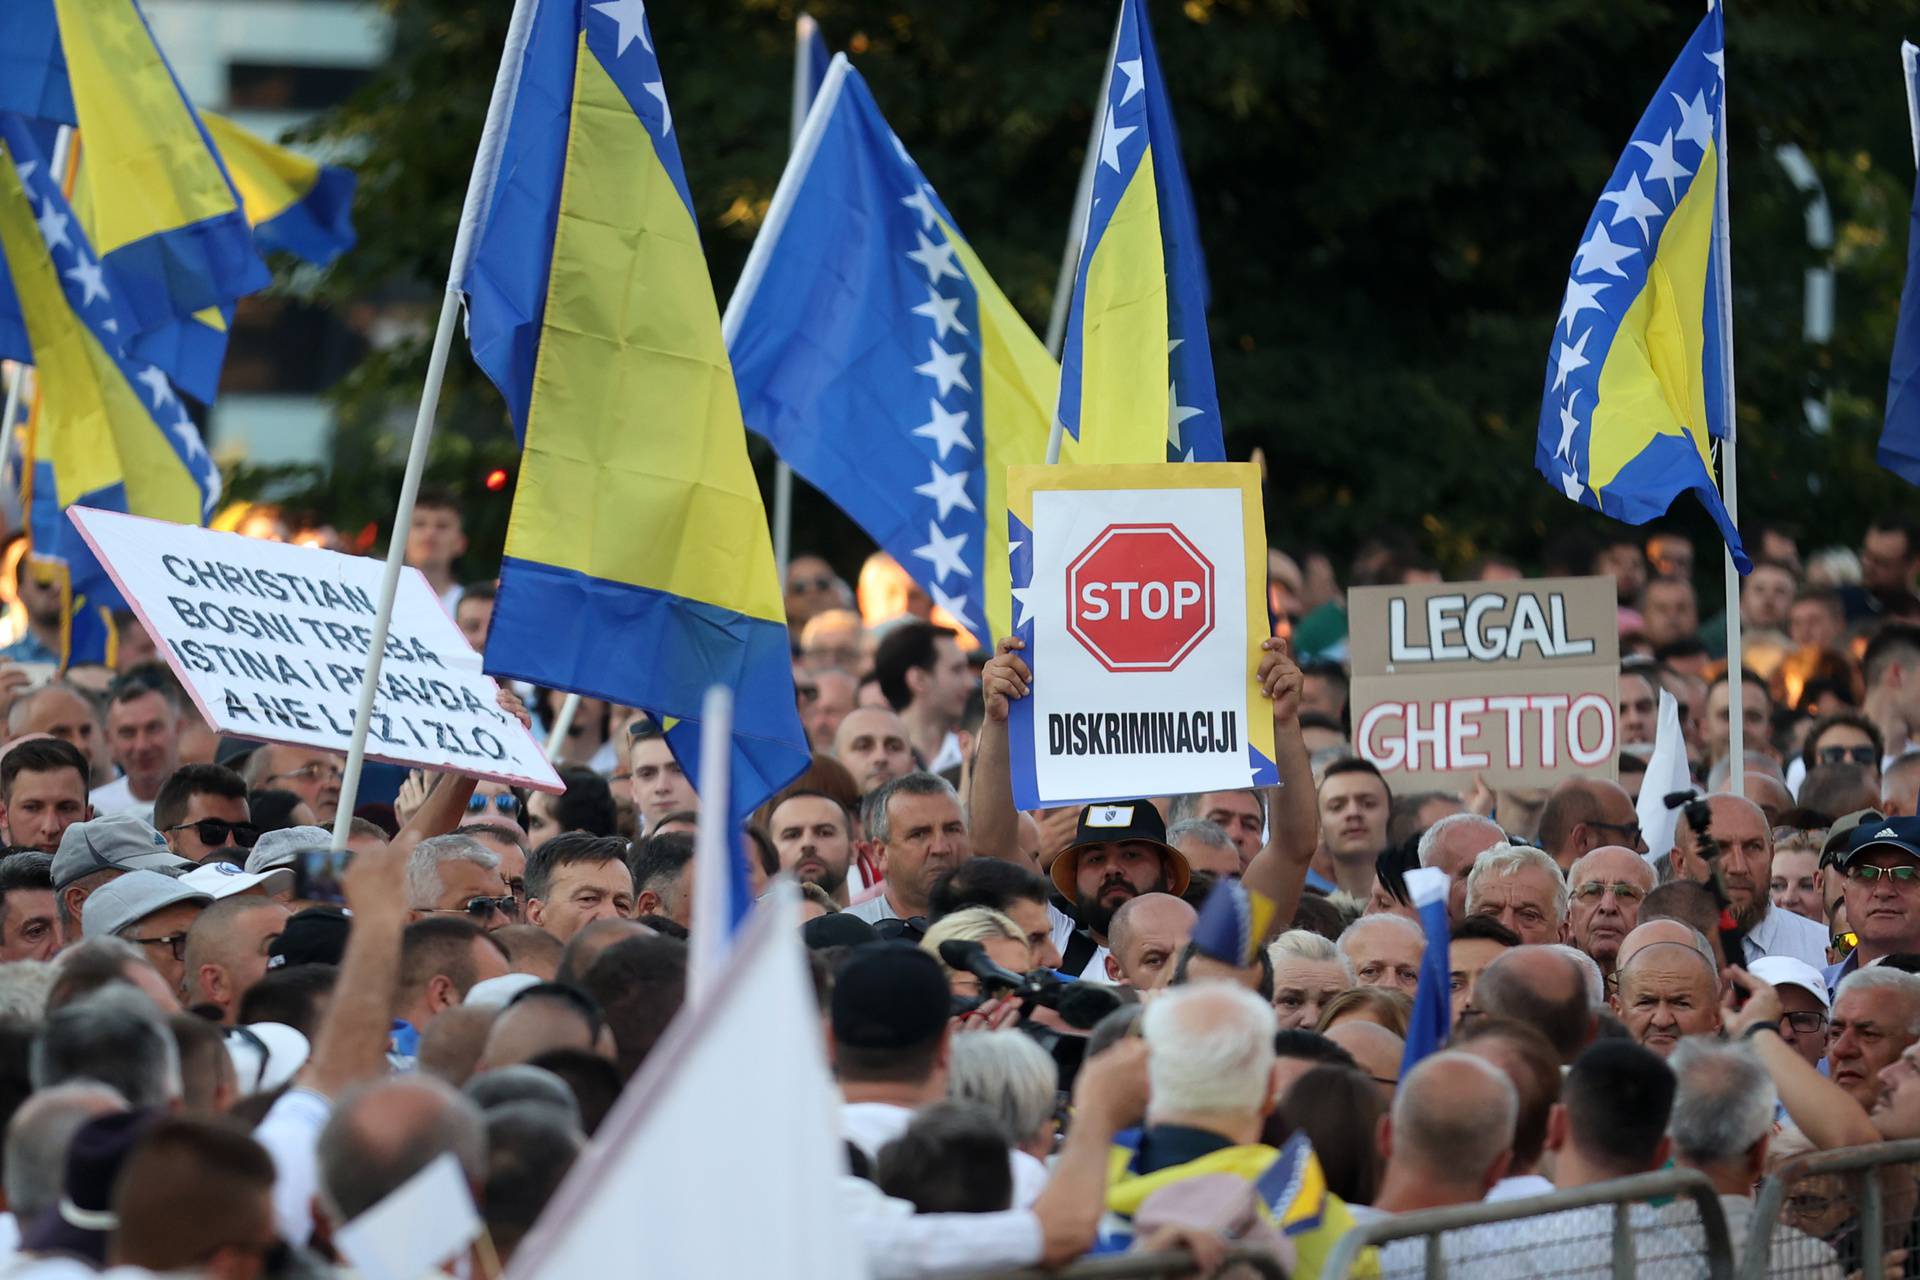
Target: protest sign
x=1141, y=594
x=270, y=640
x=1515, y=681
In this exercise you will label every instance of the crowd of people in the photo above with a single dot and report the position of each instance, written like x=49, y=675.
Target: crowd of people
x=1075, y=1030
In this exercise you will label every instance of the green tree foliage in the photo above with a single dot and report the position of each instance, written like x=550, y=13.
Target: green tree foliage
x=1390, y=193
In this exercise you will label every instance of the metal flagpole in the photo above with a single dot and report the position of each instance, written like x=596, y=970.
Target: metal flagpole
x=479, y=191
x=1729, y=487
x=803, y=30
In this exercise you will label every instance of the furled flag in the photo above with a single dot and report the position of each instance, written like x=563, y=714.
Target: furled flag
x=1138, y=321
x=722, y=894
x=1900, y=432
x=155, y=198
x=1666, y=773
x=1233, y=924
x=875, y=353
x=295, y=205
x=1640, y=379
x=1432, y=1019
x=638, y=565
x=106, y=431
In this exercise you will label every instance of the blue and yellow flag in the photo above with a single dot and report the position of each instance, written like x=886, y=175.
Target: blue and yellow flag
x=105, y=431
x=1233, y=924
x=294, y=204
x=878, y=357
x=638, y=565
x=155, y=198
x=1136, y=374
x=1899, y=450
x=1639, y=380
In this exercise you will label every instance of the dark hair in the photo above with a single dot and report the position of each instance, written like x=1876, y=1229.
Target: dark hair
x=1618, y=1097
x=291, y=996
x=1683, y=647
x=911, y=646
x=808, y=793
x=437, y=498
x=1538, y=1091
x=567, y=994
x=29, y=869
x=952, y=1158
x=143, y=679
x=439, y=945
x=1486, y=928
x=763, y=849
x=513, y=832
x=482, y=590
x=178, y=1192
x=203, y=1056
x=1837, y=789
x=587, y=804
x=189, y=780
x=1317, y=914
x=1310, y=1046
x=571, y=849
x=271, y=808
x=1261, y=959
x=40, y=755
x=1354, y=764
x=1853, y=721
x=984, y=882
x=658, y=859
x=1339, y=1109
x=1891, y=642
x=665, y=927
x=640, y=984
x=594, y=1081
x=1390, y=867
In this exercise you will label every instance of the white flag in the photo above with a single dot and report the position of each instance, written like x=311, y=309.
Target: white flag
x=411, y=1233
x=1666, y=772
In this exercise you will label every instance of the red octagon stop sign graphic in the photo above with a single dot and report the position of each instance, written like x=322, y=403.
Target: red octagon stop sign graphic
x=1140, y=597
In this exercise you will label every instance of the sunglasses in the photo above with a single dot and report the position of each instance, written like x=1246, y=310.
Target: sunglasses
x=216, y=833
x=1629, y=831
x=1844, y=943
x=506, y=802
x=1841, y=755
x=481, y=908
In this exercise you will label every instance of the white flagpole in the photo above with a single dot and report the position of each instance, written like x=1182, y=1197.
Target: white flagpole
x=803, y=30
x=1729, y=488
x=562, y=722
x=479, y=192
x=712, y=921
x=1909, y=57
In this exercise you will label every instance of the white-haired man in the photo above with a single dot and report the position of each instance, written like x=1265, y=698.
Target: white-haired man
x=457, y=875
x=1522, y=888
x=1384, y=951
x=1453, y=844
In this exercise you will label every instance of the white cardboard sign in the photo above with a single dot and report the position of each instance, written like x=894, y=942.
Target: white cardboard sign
x=270, y=640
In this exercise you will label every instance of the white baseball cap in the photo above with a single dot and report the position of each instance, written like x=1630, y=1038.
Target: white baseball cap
x=1786, y=971
x=224, y=880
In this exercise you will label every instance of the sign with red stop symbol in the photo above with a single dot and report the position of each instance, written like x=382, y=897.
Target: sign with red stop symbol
x=1140, y=597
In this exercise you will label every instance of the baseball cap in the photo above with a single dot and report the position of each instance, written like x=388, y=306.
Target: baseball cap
x=841, y=929
x=1116, y=823
x=1787, y=971
x=266, y=1054
x=891, y=995
x=126, y=900
x=117, y=842
x=1899, y=834
x=494, y=993
x=277, y=848
x=317, y=935
x=224, y=880
x=1841, y=833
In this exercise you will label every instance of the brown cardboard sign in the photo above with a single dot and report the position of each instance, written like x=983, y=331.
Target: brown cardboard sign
x=1515, y=681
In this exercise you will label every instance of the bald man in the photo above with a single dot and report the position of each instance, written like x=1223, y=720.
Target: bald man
x=1746, y=868
x=1542, y=987
x=1605, y=889
x=1667, y=987
x=874, y=746
x=1584, y=814
x=1449, y=1137
x=1145, y=939
x=1376, y=1049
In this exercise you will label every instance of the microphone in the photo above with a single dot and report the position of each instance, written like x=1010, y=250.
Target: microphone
x=972, y=957
x=1080, y=1004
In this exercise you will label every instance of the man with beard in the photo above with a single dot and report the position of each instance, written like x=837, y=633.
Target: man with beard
x=1746, y=868
x=1607, y=887
x=1119, y=852
x=813, y=838
x=918, y=832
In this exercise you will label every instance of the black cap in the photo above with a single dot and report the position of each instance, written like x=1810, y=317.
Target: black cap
x=841, y=929
x=317, y=935
x=891, y=995
x=1120, y=822
x=80, y=1222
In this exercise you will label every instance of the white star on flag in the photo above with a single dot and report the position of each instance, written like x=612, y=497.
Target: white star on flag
x=948, y=489
x=1136, y=78
x=937, y=259
x=53, y=227
x=1110, y=140
x=1719, y=59
x=189, y=437
x=1571, y=358
x=1022, y=606
x=90, y=278
x=920, y=204
x=942, y=310
x=1568, y=425
x=1571, y=483
x=943, y=366
x=156, y=384
x=943, y=553
x=1696, y=121
x=1630, y=203
x=659, y=90
x=1177, y=414
x=1580, y=297
x=946, y=429
x=955, y=605
x=632, y=17
x=1661, y=163
x=1599, y=253
x=26, y=169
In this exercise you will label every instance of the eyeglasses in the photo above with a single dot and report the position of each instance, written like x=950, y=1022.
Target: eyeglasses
x=216, y=832
x=1864, y=754
x=312, y=773
x=175, y=943
x=479, y=908
x=1593, y=891
x=1810, y=1022
x=1867, y=873
x=506, y=802
x=1629, y=831
x=806, y=694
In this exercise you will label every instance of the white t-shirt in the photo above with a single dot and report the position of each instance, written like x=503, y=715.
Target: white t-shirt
x=117, y=797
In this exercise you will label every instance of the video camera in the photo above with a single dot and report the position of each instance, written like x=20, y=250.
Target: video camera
x=1080, y=1004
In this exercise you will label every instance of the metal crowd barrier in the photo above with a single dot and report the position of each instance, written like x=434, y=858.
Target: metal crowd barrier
x=1150, y=1266
x=1827, y=1213
x=1623, y=1243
